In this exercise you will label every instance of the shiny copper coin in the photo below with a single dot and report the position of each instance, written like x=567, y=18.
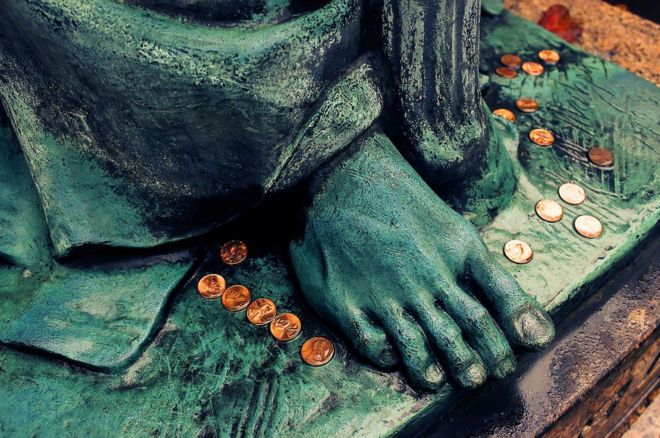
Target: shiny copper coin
x=211, y=286
x=549, y=56
x=518, y=251
x=527, y=105
x=533, y=68
x=233, y=252
x=505, y=113
x=511, y=61
x=572, y=194
x=285, y=327
x=542, y=137
x=601, y=156
x=506, y=72
x=588, y=226
x=317, y=351
x=236, y=298
x=549, y=210
x=261, y=311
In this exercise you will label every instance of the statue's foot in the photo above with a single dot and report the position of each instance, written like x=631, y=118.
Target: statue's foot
x=407, y=279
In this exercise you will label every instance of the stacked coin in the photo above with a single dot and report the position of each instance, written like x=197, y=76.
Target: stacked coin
x=284, y=327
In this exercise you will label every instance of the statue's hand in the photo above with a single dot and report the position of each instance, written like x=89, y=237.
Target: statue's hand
x=389, y=262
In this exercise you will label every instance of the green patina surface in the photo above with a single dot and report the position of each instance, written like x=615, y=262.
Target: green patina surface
x=208, y=371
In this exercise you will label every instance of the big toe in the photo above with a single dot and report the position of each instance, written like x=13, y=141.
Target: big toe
x=533, y=327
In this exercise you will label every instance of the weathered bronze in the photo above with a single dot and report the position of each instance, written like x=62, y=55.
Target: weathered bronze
x=352, y=144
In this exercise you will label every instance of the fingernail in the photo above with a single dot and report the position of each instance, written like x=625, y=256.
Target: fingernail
x=536, y=328
x=434, y=375
x=474, y=376
x=505, y=367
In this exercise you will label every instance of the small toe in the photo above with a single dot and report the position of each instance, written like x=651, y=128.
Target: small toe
x=417, y=357
x=462, y=362
x=369, y=340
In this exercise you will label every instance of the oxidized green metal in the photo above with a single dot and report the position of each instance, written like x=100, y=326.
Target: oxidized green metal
x=152, y=358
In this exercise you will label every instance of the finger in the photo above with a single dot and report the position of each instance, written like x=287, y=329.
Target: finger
x=479, y=328
x=418, y=359
x=369, y=340
x=463, y=363
x=524, y=320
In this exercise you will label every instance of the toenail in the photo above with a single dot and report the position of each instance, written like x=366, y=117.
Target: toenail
x=474, y=376
x=434, y=374
x=388, y=357
x=505, y=367
x=536, y=328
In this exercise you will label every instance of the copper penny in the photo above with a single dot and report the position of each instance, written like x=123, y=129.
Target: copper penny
x=549, y=56
x=518, y=251
x=211, y=286
x=572, y=194
x=601, y=156
x=261, y=311
x=533, y=68
x=317, y=351
x=285, y=327
x=511, y=61
x=588, y=226
x=233, y=252
x=506, y=72
x=549, y=210
x=505, y=113
x=542, y=137
x=236, y=298
x=527, y=105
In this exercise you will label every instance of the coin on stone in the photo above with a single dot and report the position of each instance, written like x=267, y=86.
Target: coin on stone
x=549, y=56
x=572, y=194
x=533, y=68
x=549, y=210
x=588, y=226
x=261, y=311
x=527, y=105
x=542, y=137
x=511, y=61
x=601, y=156
x=505, y=113
x=518, y=251
x=506, y=72
x=211, y=286
x=236, y=298
x=285, y=327
x=317, y=351
x=233, y=252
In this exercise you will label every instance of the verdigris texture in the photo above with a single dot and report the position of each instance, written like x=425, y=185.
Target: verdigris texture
x=185, y=366
x=145, y=126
